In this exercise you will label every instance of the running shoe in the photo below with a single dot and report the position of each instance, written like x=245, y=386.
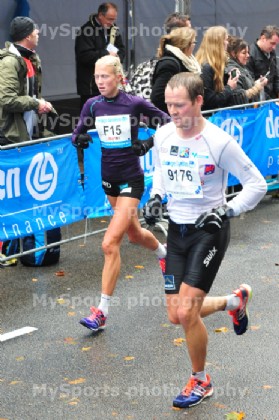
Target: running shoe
x=194, y=392
x=240, y=315
x=96, y=321
x=162, y=263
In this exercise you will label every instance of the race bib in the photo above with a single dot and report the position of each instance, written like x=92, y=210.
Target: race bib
x=114, y=131
x=181, y=177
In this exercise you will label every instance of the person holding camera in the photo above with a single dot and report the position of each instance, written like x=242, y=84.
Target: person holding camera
x=192, y=160
x=238, y=51
x=117, y=116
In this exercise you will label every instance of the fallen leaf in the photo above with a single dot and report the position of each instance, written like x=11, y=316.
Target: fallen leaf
x=77, y=381
x=70, y=340
x=61, y=301
x=71, y=313
x=81, y=245
x=15, y=382
x=73, y=403
x=114, y=413
x=255, y=327
x=176, y=408
x=34, y=280
x=178, y=341
x=129, y=277
x=222, y=330
x=165, y=325
x=60, y=273
x=267, y=387
x=218, y=405
x=20, y=358
x=103, y=221
x=127, y=358
x=139, y=266
x=266, y=246
x=235, y=416
x=85, y=348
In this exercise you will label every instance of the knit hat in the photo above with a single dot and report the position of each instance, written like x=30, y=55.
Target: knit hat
x=21, y=27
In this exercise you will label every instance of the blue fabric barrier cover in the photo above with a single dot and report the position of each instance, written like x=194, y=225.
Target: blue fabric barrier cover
x=39, y=188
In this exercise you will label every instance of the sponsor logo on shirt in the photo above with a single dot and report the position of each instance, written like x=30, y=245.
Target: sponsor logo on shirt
x=209, y=169
x=184, y=152
x=174, y=150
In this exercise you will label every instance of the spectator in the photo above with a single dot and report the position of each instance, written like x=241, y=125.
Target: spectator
x=238, y=52
x=117, y=116
x=263, y=60
x=20, y=83
x=96, y=38
x=176, y=20
x=175, y=54
x=212, y=57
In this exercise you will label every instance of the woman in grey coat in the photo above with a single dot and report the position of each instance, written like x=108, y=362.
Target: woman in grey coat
x=238, y=52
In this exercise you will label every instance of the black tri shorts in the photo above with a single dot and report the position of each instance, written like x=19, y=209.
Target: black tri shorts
x=133, y=188
x=194, y=256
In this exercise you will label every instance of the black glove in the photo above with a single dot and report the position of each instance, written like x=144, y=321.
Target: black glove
x=141, y=147
x=211, y=221
x=152, y=211
x=82, y=141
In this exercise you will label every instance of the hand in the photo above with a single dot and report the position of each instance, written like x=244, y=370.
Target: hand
x=44, y=106
x=82, y=141
x=152, y=211
x=261, y=82
x=211, y=221
x=141, y=147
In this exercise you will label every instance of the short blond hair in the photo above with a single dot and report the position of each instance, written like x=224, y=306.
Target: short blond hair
x=113, y=62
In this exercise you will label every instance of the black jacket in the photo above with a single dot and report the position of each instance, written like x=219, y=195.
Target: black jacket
x=213, y=99
x=166, y=67
x=90, y=45
x=259, y=64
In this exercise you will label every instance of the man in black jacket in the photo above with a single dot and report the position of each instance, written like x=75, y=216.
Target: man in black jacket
x=262, y=61
x=96, y=38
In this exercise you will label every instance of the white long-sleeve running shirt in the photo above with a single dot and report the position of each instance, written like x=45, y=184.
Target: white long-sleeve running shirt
x=193, y=173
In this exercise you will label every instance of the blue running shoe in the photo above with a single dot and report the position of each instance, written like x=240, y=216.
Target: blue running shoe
x=194, y=393
x=240, y=315
x=96, y=321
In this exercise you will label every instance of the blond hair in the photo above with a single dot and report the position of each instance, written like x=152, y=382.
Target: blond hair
x=114, y=63
x=181, y=38
x=212, y=51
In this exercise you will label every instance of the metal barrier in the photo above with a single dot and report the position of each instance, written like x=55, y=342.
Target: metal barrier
x=272, y=183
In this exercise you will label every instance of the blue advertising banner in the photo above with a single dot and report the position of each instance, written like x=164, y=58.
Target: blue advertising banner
x=40, y=184
x=97, y=204
x=39, y=188
x=257, y=132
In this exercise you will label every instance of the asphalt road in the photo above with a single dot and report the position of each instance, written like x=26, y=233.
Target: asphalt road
x=136, y=366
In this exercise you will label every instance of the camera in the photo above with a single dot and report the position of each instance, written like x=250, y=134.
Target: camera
x=233, y=73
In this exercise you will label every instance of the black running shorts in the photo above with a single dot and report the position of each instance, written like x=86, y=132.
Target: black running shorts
x=194, y=256
x=133, y=188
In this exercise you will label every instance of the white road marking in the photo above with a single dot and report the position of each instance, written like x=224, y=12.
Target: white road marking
x=16, y=333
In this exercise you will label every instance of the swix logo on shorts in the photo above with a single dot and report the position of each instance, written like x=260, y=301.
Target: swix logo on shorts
x=209, y=257
x=169, y=282
x=106, y=184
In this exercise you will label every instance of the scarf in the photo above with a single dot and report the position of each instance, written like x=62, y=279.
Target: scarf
x=189, y=61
